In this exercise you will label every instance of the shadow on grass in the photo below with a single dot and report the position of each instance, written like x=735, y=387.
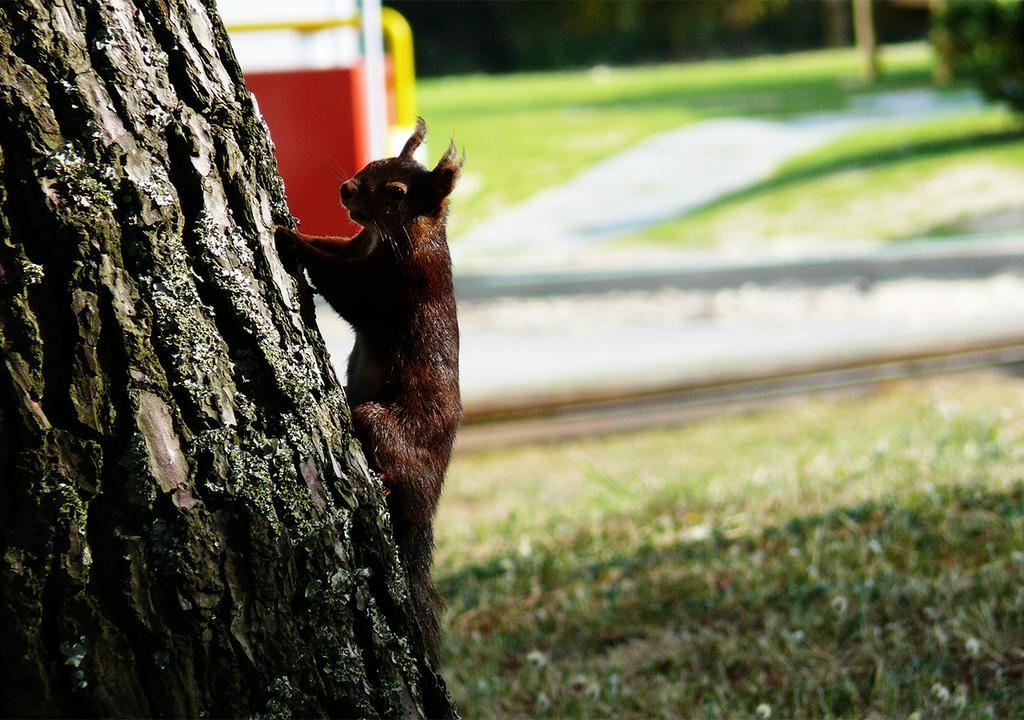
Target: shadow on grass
x=1004, y=220
x=849, y=520
x=774, y=100
x=798, y=615
x=923, y=149
x=768, y=98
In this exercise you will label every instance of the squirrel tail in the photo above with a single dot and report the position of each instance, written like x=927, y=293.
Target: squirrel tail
x=416, y=548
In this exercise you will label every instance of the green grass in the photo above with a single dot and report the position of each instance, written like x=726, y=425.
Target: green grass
x=936, y=177
x=831, y=558
x=527, y=132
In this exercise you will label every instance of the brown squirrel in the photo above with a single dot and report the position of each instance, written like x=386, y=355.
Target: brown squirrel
x=393, y=283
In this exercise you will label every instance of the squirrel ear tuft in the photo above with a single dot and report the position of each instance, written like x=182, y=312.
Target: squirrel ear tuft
x=415, y=140
x=447, y=170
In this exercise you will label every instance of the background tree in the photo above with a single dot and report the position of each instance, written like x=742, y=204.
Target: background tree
x=457, y=36
x=188, y=527
x=983, y=41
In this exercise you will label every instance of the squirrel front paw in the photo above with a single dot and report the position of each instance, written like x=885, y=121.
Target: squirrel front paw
x=284, y=240
x=283, y=236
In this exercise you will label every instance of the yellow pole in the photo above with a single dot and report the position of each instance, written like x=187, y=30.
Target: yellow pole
x=302, y=26
x=397, y=35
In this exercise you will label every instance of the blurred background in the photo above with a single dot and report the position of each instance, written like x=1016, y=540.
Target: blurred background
x=742, y=313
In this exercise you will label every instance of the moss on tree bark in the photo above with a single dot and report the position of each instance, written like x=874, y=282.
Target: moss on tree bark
x=188, y=526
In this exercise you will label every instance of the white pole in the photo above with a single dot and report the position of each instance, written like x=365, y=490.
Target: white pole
x=376, y=101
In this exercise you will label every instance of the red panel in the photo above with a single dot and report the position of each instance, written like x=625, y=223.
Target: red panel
x=317, y=120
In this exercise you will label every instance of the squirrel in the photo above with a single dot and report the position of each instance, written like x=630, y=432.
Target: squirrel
x=392, y=282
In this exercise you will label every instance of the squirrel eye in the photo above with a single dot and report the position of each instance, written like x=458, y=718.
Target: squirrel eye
x=394, y=191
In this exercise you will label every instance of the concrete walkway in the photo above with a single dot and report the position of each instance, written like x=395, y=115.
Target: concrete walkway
x=534, y=346
x=974, y=256
x=670, y=173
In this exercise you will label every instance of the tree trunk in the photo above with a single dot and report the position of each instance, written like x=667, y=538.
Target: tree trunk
x=188, y=527
x=837, y=23
x=864, y=29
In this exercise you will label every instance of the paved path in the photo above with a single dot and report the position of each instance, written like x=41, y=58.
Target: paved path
x=670, y=173
x=974, y=256
x=537, y=345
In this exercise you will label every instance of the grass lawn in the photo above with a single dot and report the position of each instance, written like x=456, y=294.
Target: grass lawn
x=861, y=556
x=941, y=177
x=527, y=132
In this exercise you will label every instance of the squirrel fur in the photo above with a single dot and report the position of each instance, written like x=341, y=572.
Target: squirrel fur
x=392, y=282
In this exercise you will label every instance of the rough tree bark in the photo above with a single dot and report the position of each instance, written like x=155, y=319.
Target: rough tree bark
x=188, y=527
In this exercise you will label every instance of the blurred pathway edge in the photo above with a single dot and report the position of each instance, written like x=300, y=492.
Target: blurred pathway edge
x=974, y=256
x=672, y=172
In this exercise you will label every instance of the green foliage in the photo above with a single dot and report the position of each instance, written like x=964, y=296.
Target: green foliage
x=984, y=40
x=454, y=37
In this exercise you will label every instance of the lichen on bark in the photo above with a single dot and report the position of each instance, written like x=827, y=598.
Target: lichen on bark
x=188, y=527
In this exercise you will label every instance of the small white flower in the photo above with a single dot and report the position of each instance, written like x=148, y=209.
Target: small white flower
x=525, y=548
x=840, y=603
x=695, y=533
x=916, y=715
x=973, y=645
x=593, y=691
x=537, y=658
x=543, y=703
x=764, y=711
x=941, y=692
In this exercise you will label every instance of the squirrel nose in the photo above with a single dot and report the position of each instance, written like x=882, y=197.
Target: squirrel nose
x=347, y=190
